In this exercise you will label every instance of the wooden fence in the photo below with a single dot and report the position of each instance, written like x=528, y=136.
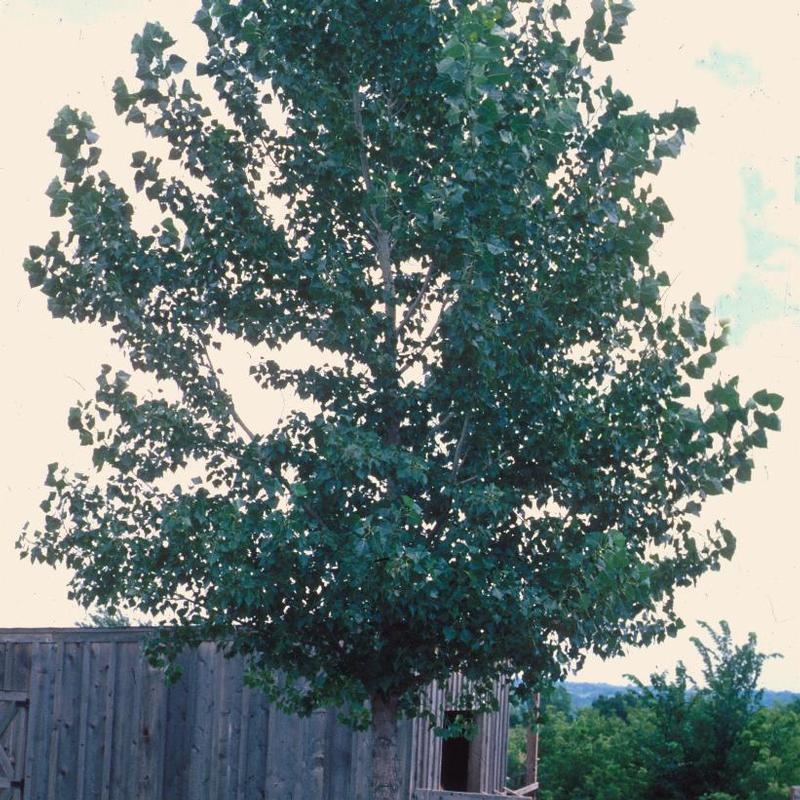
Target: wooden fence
x=84, y=717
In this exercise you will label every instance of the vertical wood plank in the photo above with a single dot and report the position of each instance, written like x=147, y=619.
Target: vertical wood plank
x=151, y=732
x=65, y=783
x=180, y=719
x=5, y=666
x=244, y=743
x=100, y=655
x=253, y=774
x=204, y=703
x=83, y=718
x=54, y=723
x=18, y=678
x=361, y=775
x=108, y=720
x=221, y=729
x=284, y=755
x=405, y=748
x=135, y=695
x=231, y=729
x=340, y=754
x=312, y=772
x=36, y=752
x=124, y=746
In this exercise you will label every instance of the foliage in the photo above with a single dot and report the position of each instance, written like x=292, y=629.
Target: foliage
x=767, y=753
x=591, y=757
x=108, y=618
x=517, y=755
x=671, y=739
x=501, y=467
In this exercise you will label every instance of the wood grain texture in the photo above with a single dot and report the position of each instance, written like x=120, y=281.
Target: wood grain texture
x=102, y=724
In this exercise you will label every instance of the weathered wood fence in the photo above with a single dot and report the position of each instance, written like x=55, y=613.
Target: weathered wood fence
x=84, y=717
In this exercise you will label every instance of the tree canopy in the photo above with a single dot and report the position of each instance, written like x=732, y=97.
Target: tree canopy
x=510, y=435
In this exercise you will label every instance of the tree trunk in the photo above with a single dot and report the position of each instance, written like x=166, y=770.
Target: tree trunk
x=385, y=761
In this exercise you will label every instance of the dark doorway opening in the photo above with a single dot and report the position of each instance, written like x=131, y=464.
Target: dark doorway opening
x=455, y=759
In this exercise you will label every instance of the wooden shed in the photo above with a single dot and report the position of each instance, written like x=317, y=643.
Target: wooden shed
x=84, y=717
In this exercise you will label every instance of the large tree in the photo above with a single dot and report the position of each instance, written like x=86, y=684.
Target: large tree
x=499, y=466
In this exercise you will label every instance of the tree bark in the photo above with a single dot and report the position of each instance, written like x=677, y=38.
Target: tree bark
x=385, y=760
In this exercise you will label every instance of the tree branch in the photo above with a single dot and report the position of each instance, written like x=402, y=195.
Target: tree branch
x=234, y=413
x=382, y=240
x=358, y=119
x=458, y=455
x=415, y=303
x=410, y=358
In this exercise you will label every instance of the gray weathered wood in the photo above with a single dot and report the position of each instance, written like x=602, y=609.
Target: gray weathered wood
x=440, y=794
x=83, y=719
x=98, y=715
x=55, y=722
x=103, y=725
x=108, y=724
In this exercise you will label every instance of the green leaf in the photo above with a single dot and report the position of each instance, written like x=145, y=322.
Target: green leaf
x=74, y=420
x=560, y=11
x=649, y=291
x=136, y=116
x=707, y=360
x=661, y=210
x=769, y=421
x=765, y=398
x=671, y=147
x=730, y=543
x=36, y=272
x=697, y=311
x=176, y=64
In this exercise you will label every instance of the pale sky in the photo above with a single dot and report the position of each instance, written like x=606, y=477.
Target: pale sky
x=735, y=195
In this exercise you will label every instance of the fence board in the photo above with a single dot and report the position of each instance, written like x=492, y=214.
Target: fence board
x=55, y=721
x=38, y=718
x=180, y=719
x=339, y=755
x=151, y=726
x=66, y=783
x=108, y=722
x=98, y=715
x=256, y=746
x=315, y=756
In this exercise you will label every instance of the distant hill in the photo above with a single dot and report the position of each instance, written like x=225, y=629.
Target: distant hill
x=584, y=694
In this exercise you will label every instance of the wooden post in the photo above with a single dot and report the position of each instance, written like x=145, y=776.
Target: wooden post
x=532, y=748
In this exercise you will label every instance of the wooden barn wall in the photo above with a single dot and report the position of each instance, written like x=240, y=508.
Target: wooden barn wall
x=101, y=724
x=487, y=751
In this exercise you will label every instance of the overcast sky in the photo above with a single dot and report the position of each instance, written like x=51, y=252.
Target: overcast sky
x=735, y=194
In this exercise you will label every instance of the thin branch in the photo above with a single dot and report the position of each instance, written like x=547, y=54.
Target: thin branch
x=444, y=420
x=411, y=358
x=382, y=240
x=415, y=303
x=458, y=455
x=358, y=119
x=234, y=413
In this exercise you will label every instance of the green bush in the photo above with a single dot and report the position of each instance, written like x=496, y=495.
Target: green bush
x=672, y=739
